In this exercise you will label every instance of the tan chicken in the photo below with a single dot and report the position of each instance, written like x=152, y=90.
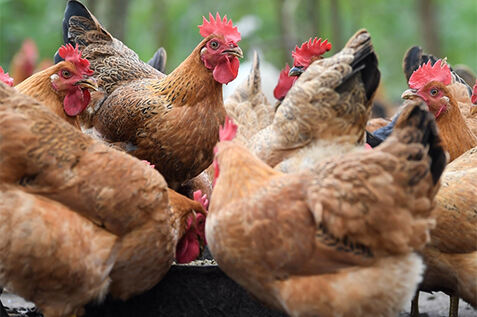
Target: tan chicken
x=52, y=160
x=50, y=254
x=64, y=87
x=327, y=107
x=337, y=240
x=458, y=88
x=451, y=256
x=248, y=106
x=171, y=121
x=433, y=84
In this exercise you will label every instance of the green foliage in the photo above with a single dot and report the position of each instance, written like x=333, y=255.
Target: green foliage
x=394, y=26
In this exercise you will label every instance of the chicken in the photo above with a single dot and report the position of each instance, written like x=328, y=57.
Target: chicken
x=50, y=254
x=170, y=121
x=303, y=56
x=451, y=256
x=433, y=85
x=336, y=240
x=113, y=190
x=23, y=62
x=64, y=87
x=248, y=106
x=327, y=107
x=414, y=58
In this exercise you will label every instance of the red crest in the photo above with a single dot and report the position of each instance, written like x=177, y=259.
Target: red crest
x=73, y=55
x=220, y=26
x=313, y=48
x=427, y=72
x=5, y=78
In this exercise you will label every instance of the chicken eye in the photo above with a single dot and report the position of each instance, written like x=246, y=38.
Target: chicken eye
x=214, y=45
x=65, y=74
x=434, y=91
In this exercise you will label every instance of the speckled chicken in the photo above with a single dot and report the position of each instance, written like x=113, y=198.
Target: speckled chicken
x=327, y=107
x=337, y=240
x=171, y=121
x=49, y=160
x=248, y=106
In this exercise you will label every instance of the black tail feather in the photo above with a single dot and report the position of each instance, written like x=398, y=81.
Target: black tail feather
x=416, y=115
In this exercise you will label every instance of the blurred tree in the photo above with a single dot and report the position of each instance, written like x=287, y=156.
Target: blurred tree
x=336, y=24
x=430, y=26
x=116, y=17
x=286, y=22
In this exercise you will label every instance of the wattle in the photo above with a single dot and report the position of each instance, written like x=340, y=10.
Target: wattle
x=187, y=249
x=226, y=70
x=76, y=101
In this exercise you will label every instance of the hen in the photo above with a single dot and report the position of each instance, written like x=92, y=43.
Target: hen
x=51, y=160
x=337, y=240
x=461, y=92
x=64, y=87
x=327, y=107
x=170, y=121
x=433, y=84
x=451, y=256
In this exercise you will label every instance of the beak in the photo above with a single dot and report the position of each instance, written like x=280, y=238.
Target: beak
x=88, y=83
x=236, y=51
x=296, y=71
x=409, y=94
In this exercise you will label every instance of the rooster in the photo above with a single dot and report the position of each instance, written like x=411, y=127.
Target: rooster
x=327, y=107
x=53, y=161
x=431, y=83
x=64, y=87
x=171, y=121
x=336, y=240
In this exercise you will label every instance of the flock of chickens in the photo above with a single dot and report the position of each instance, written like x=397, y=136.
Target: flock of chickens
x=107, y=166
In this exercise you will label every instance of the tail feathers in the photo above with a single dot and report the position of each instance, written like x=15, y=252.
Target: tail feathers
x=417, y=125
x=365, y=62
x=158, y=61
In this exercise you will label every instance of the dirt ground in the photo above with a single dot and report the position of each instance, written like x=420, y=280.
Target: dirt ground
x=430, y=305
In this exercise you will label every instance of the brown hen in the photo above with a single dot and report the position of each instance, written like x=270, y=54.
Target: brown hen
x=113, y=190
x=170, y=121
x=64, y=87
x=337, y=240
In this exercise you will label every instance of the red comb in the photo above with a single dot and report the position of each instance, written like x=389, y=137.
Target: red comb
x=313, y=48
x=5, y=78
x=73, y=55
x=228, y=131
x=284, y=84
x=202, y=199
x=426, y=73
x=474, y=94
x=220, y=27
